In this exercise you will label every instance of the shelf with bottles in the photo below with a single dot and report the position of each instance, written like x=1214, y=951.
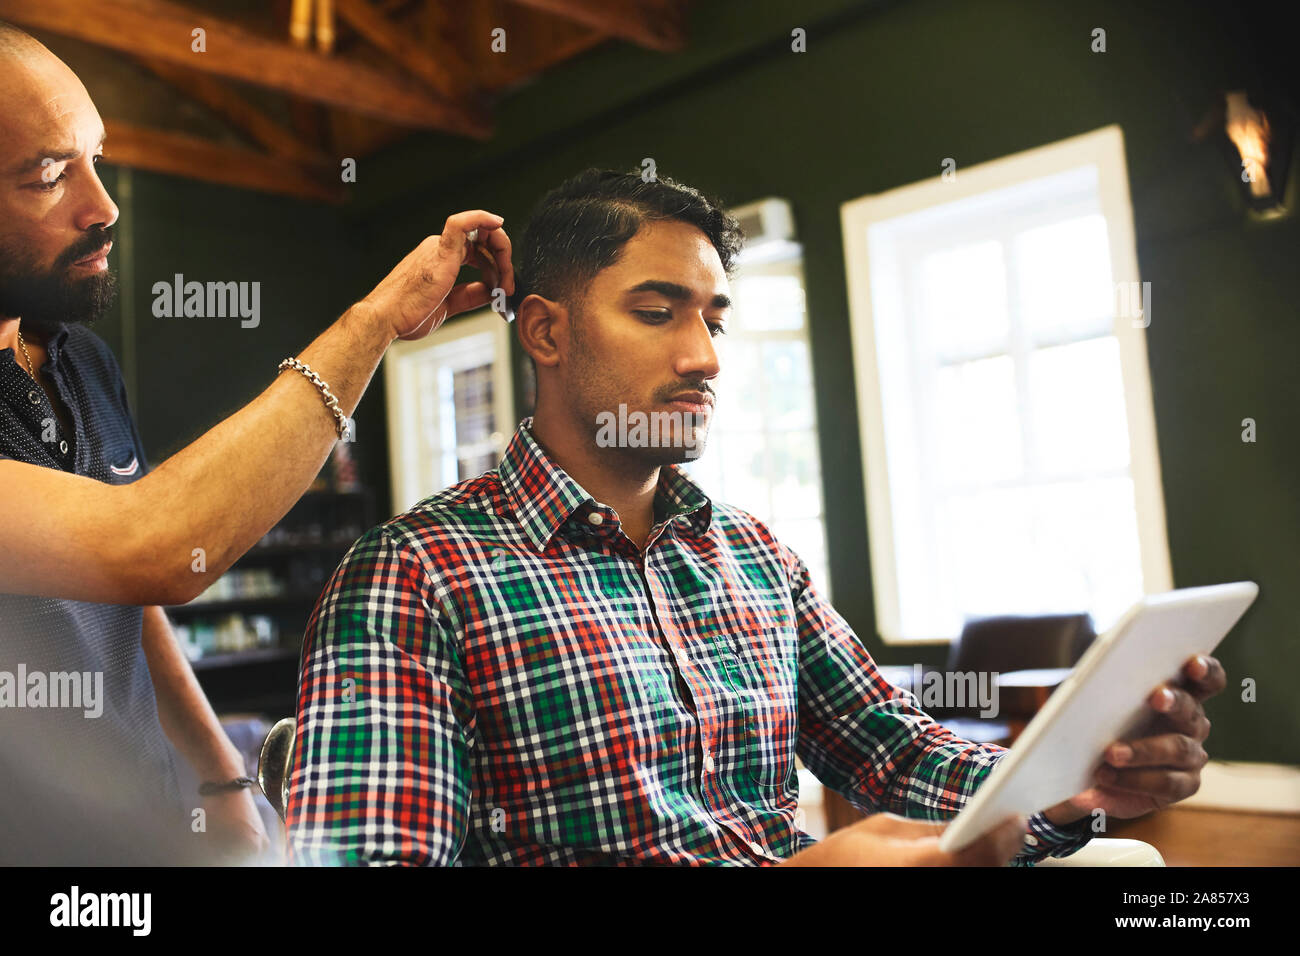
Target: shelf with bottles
x=227, y=634
x=297, y=580
x=254, y=614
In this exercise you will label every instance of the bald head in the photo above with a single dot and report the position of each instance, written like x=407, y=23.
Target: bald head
x=16, y=43
x=54, y=212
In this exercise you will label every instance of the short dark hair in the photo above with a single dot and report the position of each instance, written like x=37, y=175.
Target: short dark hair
x=580, y=227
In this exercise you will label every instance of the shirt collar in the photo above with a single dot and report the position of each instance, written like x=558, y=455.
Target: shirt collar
x=543, y=496
x=56, y=342
x=52, y=347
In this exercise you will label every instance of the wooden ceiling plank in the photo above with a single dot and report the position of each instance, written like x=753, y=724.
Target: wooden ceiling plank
x=408, y=51
x=655, y=24
x=539, y=42
x=162, y=30
x=236, y=110
x=194, y=158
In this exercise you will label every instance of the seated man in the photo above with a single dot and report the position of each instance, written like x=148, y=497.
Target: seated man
x=581, y=658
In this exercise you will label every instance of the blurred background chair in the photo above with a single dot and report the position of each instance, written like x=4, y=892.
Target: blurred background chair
x=1004, y=645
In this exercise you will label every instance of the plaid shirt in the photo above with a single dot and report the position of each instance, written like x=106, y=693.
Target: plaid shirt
x=499, y=675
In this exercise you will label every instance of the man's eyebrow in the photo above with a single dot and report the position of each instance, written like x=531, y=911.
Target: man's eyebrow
x=676, y=292
x=56, y=155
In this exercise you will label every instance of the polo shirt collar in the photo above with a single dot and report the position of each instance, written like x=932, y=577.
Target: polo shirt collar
x=56, y=342
x=52, y=347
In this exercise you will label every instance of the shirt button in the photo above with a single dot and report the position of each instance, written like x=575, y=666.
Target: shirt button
x=596, y=518
x=33, y=397
x=63, y=448
x=1031, y=840
x=709, y=765
x=758, y=849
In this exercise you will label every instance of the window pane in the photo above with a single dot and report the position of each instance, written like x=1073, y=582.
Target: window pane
x=745, y=472
x=806, y=538
x=1079, y=422
x=765, y=302
x=1088, y=547
x=1070, y=546
x=965, y=298
x=1063, y=273
x=706, y=470
x=977, y=421
x=787, y=384
x=740, y=389
x=796, y=491
x=984, y=549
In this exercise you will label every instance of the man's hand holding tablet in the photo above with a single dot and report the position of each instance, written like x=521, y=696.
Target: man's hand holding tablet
x=1124, y=732
x=1151, y=772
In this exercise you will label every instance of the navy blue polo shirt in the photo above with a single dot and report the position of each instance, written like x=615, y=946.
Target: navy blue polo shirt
x=85, y=777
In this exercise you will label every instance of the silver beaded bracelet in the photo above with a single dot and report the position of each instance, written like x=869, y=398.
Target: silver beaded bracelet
x=332, y=403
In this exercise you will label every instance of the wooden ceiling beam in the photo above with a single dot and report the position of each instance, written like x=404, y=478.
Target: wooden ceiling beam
x=369, y=21
x=654, y=24
x=162, y=30
x=195, y=158
x=236, y=110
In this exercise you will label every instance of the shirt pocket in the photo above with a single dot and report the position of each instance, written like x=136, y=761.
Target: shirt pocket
x=762, y=669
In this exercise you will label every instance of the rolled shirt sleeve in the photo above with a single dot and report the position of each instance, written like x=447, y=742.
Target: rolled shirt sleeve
x=871, y=742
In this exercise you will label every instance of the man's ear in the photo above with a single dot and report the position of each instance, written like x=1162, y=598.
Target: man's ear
x=542, y=325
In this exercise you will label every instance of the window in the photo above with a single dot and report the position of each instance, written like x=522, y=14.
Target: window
x=762, y=454
x=1008, y=438
x=450, y=407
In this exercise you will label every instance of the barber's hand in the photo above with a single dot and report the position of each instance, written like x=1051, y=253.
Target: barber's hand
x=420, y=293
x=1150, y=772
x=234, y=828
x=885, y=839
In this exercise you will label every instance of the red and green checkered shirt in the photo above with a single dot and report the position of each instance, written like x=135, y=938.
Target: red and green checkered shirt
x=500, y=675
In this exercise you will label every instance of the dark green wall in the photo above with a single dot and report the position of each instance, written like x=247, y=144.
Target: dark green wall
x=884, y=93
x=186, y=374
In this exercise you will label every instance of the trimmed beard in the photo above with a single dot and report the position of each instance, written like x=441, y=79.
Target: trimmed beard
x=44, y=299
x=588, y=368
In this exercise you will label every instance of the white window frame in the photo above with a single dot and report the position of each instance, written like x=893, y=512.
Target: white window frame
x=400, y=369
x=1102, y=149
x=770, y=239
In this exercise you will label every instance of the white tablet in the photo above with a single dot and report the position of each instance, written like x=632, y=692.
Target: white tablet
x=1103, y=700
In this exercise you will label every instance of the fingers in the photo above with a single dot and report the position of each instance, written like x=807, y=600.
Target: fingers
x=1204, y=676
x=497, y=245
x=1165, y=786
x=1180, y=711
x=468, y=296
x=1178, y=751
x=892, y=825
x=455, y=240
x=462, y=222
x=477, y=235
x=994, y=848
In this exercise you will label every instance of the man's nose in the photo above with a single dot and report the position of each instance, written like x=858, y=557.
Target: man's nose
x=698, y=354
x=97, y=207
